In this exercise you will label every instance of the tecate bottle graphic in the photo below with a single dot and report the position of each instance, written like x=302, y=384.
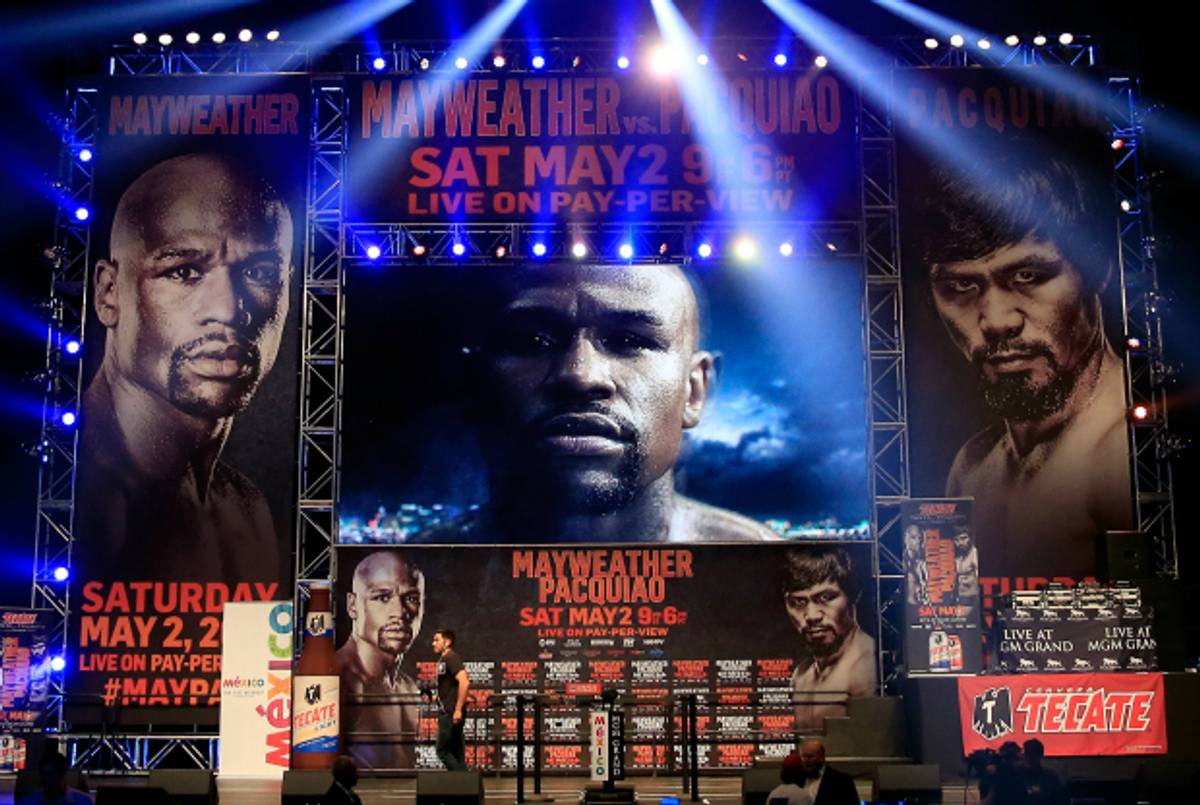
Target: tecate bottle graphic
x=316, y=700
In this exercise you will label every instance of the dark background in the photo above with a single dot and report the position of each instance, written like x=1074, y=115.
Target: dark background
x=43, y=45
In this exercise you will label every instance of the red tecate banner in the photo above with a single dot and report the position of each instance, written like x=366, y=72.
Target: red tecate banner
x=1072, y=714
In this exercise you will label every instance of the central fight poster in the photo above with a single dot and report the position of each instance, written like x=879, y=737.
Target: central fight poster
x=773, y=638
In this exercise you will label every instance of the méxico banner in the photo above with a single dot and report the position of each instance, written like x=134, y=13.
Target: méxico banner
x=1072, y=714
x=187, y=450
x=256, y=689
x=1012, y=307
x=619, y=147
x=941, y=587
x=795, y=622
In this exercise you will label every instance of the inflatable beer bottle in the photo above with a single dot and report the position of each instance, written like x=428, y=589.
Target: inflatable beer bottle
x=316, y=704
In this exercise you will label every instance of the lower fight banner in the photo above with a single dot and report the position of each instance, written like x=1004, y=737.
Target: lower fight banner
x=256, y=689
x=794, y=623
x=1072, y=714
x=941, y=587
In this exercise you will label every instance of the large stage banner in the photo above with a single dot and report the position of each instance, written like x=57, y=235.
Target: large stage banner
x=187, y=448
x=256, y=689
x=678, y=405
x=794, y=622
x=1016, y=390
x=1071, y=714
x=618, y=148
x=941, y=588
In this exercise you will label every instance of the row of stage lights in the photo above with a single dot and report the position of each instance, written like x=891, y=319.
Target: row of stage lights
x=743, y=248
x=1012, y=40
x=661, y=61
x=193, y=37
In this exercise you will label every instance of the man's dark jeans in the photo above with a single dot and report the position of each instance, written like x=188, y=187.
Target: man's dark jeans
x=451, y=748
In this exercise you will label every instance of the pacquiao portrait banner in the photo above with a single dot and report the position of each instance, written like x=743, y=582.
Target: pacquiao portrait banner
x=607, y=146
x=187, y=450
x=773, y=638
x=941, y=587
x=1071, y=714
x=24, y=669
x=1013, y=316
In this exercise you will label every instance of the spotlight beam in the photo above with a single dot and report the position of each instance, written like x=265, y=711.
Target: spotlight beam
x=471, y=46
x=701, y=95
x=1175, y=134
x=871, y=68
x=335, y=25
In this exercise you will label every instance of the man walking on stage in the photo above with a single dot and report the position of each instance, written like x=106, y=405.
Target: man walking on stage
x=452, y=686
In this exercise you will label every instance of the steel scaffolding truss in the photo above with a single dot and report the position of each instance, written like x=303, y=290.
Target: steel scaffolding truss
x=321, y=338
x=61, y=381
x=1147, y=373
x=100, y=753
x=887, y=410
x=650, y=242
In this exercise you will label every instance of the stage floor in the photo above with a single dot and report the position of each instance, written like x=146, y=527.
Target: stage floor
x=724, y=790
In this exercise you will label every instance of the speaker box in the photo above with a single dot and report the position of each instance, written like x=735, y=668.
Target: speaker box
x=128, y=795
x=1124, y=556
x=305, y=786
x=29, y=780
x=185, y=786
x=757, y=783
x=915, y=783
x=449, y=788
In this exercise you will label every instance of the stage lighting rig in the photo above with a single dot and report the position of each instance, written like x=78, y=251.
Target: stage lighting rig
x=1169, y=445
x=140, y=38
x=957, y=41
x=272, y=35
x=1039, y=40
x=1065, y=38
x=165, y=39
x=538, y=62
x=193, y=38
x=218, y=38
x=1163, y=374
x=1012, y=40
x=245, y=35
x=931, y=43
x=56, y=256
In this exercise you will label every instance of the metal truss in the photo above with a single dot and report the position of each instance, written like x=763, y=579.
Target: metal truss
x=650, y=242
x=100, y=753
x=912, y=51
x=61, y=381
x=1147, y=373
x=321, y=338
x=207, y=59
x=887, y=408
